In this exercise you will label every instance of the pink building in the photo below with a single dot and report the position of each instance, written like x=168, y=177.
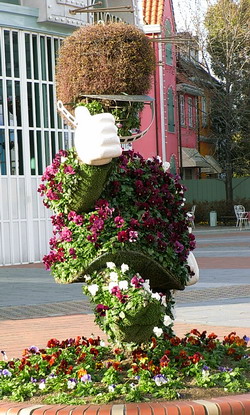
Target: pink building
x=162, y=138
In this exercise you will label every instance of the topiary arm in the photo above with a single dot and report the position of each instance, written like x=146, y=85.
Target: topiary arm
x=91, y=181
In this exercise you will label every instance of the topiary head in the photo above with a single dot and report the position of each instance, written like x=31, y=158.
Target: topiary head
x=104, y=59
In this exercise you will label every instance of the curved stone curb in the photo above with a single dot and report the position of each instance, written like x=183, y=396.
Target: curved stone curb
x=226, y=405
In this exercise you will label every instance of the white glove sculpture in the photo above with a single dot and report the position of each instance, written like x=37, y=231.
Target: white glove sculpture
x=194, y=268
x=101, y=142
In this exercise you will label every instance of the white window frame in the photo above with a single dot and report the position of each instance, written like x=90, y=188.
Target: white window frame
x=204, y=114
x=182, y=110
x=190, y=112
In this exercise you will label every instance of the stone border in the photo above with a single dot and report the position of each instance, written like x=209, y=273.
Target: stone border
x=226, y=405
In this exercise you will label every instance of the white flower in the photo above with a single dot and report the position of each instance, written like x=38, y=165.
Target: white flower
x=71, y=384
x=156, y=296
x=157, y=331
x=93, y=289
x=63, y=159
x=160, y=380
x=112, y=285
x=146, y=286
x=113, y=276
x=123, y=285
x=5, y=357
x=124, y=267
x=163, y=300
x=167, y=320
x=205, y=373
x=165, y=166
x=111, y=388
x=42, y=385
x=122, y=314
x=102, y=343
x=110, y=265
x=87, y=277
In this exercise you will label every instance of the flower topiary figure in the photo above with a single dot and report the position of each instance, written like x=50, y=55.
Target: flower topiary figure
x=120, y=223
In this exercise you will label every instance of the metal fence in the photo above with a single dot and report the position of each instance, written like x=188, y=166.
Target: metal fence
x=212, y=190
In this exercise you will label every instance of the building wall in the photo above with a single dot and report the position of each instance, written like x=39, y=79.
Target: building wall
x=162, y=139
x=30, y=130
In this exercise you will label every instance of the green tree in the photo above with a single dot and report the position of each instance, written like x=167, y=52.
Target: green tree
x=228, y=43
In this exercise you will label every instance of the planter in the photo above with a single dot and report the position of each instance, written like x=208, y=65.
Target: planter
x=233, y=405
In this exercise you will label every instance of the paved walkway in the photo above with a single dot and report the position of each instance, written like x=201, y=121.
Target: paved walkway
x=33, y=308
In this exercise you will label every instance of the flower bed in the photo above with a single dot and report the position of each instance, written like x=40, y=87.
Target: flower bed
x=81, y=370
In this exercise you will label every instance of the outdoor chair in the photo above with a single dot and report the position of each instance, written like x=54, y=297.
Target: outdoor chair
x=241, y=216
x=191, y=216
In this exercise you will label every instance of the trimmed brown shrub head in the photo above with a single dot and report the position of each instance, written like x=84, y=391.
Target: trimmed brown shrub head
x=104, y=59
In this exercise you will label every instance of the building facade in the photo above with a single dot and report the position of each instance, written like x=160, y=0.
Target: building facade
x=162, y=139
x=31, y=131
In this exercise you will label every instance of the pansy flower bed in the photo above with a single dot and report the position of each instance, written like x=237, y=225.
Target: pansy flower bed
x=85, y=370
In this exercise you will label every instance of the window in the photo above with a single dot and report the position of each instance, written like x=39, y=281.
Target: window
x=204, y=111
x=190, y=112
x=182, y=109
x=171, y=124
x=27, y=99
x=169, y=51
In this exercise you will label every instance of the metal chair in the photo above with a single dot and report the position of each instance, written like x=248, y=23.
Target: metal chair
x=241, y=216
x=191, y=216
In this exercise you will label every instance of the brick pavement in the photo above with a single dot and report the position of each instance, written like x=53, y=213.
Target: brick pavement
x=16, y=335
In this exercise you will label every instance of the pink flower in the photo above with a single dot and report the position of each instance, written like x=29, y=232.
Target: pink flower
x=178, y=247
x=69, y=170
x=119, y=221
x=92, y=238
x=58, y=221
x=101, y=309
x=98, y=224
x=122, y=236
x=134, y=223
x=133, y=236
x=117, y=292
x=77, y=219
x=41, y=189
x=50, y=172
x=137, y=281
x=51, y=195
x=72, y=252
x=66, y=234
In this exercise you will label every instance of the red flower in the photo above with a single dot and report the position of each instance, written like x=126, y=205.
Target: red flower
x=52, y=360
x=94, y=351
x=175, y=341
x=195, y=332
x=53, y=343
x=116, y=365
x=95, y=342
x=164, y=361
x=194, y=341
x=212, y=336
x=231, y=351
x=196, y=357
